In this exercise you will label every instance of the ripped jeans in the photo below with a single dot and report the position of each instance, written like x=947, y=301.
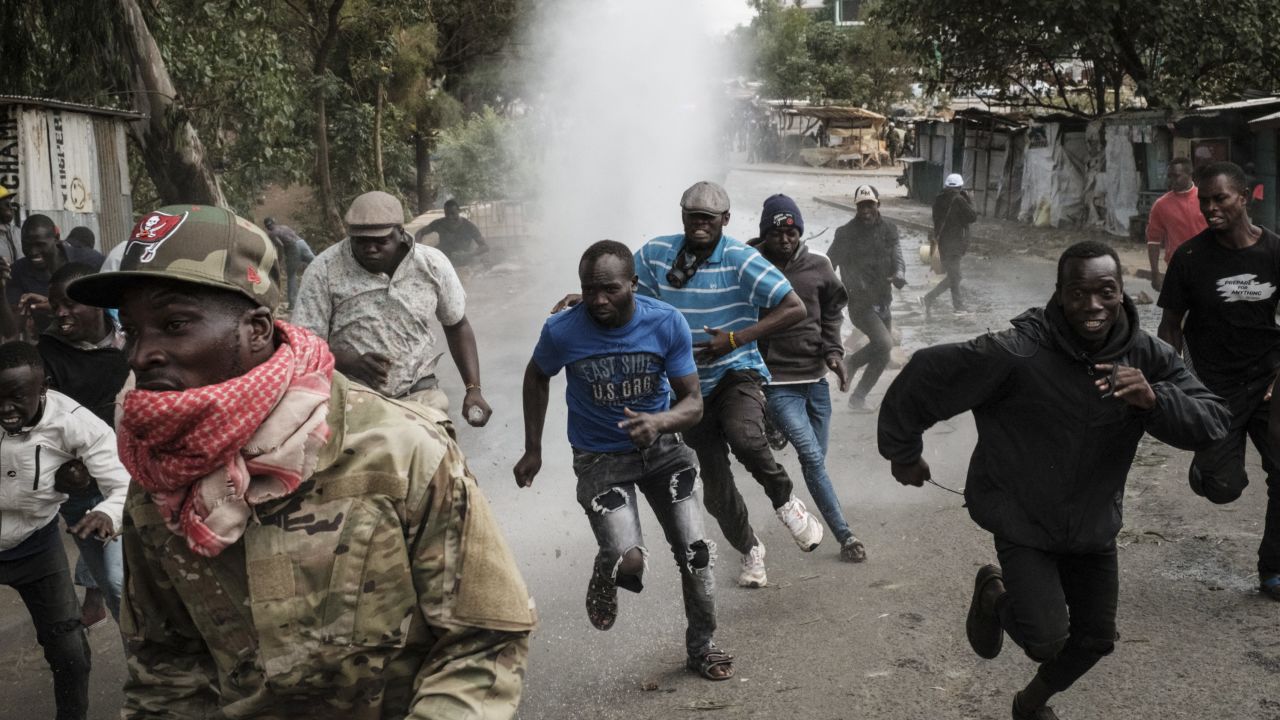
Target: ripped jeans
x=667, y=475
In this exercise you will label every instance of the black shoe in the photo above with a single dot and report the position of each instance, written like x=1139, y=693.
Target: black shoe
x=1195, y=481
x=1044, y=713
x=1269, y=585
x=986, y=637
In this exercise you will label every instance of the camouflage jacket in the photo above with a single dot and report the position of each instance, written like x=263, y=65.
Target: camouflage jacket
x=382, y=588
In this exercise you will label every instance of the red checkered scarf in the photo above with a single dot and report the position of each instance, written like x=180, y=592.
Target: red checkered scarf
x=208, y=454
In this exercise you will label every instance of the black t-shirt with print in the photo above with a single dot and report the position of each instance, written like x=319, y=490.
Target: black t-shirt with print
x=1229, y=297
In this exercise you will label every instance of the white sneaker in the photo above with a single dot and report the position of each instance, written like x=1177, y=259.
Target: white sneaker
x=752, y=575
x=804, y=527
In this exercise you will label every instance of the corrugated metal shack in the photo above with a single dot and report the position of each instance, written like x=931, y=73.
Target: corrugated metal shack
x=68, y=161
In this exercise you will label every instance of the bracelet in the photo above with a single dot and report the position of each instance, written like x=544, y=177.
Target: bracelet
x=733, y=342
x=473, y=386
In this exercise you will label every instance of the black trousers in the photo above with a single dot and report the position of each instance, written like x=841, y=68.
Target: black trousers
x=1060, y=609
x=733, y=419
x=1218, y=473
x=44, y=583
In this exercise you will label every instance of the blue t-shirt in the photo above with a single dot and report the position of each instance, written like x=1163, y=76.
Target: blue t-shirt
x=614, y=368
x=726, y=294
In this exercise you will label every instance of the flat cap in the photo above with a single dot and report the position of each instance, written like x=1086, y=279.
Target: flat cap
x=705, y=197
x=373, y=214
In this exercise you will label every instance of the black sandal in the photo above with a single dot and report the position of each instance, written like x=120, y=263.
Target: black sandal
x=710, y=659
x=602, y=601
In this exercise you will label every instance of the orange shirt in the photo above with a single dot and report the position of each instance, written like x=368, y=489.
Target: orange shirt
x=1175, y=218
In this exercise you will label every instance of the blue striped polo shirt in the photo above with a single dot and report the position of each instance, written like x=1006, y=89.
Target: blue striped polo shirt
x=726, y=293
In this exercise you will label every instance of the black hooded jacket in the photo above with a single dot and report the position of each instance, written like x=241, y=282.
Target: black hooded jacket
x=1052, y=456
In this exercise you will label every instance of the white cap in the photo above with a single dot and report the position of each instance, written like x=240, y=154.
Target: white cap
x=953, y=181
x=865, y=193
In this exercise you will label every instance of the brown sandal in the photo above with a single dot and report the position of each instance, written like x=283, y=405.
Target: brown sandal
x=712, y=664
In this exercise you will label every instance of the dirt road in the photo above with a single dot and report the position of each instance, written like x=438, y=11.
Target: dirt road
x=828, y=640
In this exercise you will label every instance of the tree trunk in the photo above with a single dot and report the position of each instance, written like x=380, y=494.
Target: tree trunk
x=377, y=136
x=324, y=181
x=319, y=67
x=422, y=160
x=171, y=149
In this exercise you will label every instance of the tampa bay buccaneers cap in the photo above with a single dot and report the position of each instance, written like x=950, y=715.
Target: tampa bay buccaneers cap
x=200, y=244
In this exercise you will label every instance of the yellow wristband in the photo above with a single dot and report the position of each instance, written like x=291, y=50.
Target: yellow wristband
x=473, y=386
x=733, y=342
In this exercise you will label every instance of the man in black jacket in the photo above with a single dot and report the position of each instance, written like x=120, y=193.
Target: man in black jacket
x=953, y=213
x=868, y=255
x=1060, y=402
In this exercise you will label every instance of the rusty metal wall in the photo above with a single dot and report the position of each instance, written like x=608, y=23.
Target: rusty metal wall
x=115, y=201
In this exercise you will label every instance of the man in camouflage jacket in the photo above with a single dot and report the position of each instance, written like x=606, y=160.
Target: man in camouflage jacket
x=380, y=587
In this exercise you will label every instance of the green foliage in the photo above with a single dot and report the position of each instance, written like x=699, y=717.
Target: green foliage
x=486, y=158
x=240, y=88
x=799, y=57
x=245, y=77
x=47, y=51
x=1162, y=50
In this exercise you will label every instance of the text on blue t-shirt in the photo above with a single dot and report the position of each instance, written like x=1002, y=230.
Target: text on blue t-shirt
x=609, y=369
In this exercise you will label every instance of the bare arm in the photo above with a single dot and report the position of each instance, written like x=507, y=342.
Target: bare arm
x=462, y=346
x=1153, y=255
x=1171, y=329
x=537, y=390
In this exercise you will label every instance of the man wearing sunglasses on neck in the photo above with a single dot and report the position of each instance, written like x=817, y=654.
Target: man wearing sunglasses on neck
x=721, y=285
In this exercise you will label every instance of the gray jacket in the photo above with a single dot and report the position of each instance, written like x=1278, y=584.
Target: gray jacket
x=799, y=353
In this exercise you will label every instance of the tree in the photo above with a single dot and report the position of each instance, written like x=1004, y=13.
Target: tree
x=485, y=158
x=799, y=56
x=1019, y=48
x=220, y=51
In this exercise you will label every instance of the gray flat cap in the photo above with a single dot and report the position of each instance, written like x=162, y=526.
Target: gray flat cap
x=705, y=197
x=374, y=214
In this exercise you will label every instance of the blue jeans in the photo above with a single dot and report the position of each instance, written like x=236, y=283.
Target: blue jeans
x=100, y=565
x=665, y=472
x=803, y=413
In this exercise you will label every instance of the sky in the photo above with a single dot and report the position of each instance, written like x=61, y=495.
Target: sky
x=726, y=14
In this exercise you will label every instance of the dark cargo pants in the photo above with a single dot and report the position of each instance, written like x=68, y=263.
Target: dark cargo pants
x=733, y=419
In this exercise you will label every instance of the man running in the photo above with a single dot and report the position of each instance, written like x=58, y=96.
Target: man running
x=868, y=255
x=720, y=285
x=1060, y=401
x=800, y=357
x=953, y=213
x=1220, y=299
x=625, y=356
